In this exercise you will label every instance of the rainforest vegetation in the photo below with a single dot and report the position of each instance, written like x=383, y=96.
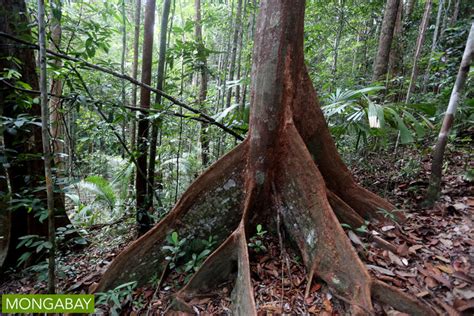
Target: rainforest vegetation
x=239, y=156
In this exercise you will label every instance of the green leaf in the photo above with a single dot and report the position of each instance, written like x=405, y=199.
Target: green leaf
x=174, y=237
x=405, y=134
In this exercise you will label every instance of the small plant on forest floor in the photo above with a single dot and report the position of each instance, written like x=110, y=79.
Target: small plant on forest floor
x=35, y=244
x=390, y=215
x=256, y=241
x=198, y=258
x=113, y=298
x=177, y=251
x=175, y=248
x=362, y=229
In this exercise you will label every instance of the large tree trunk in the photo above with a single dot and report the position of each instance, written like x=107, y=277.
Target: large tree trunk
x=23, y=174
x=419, y=46
x=144, y=221
x=285, y=169
x=385, y=40
x=438, y=152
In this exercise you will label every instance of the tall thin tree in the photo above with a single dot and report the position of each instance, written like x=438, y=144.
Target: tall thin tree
x=438, y=152
x=144, y=220
x=204, y=137
x=433, y=43
x=233, y=54
x=160, y=78
x=43, y=86
x=385, y=40
x=136, y=43
x=419, y=46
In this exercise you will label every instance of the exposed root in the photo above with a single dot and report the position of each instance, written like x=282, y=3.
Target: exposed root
x=311, y=125
x=344, y=212
x=310, y=221
x=286, y=167
x=229, y=261
x=212, y=203
x=401, y=301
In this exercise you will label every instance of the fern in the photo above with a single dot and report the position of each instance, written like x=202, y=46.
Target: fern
x=101, y=188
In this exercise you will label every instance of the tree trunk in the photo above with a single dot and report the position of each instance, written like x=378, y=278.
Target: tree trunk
x=239, y=54
x=385, y=40
x=419, y=46
x=438, y=152
x=271, y=175
x=144, y=220
x=204, y=137
x=337, y=41
x=454, y=17
x=24, y=175
x=122, y=68
x=445, y=19
x=136, y=42
x=57, y=125
x=409, y=7
x=233, y=54
x=43, y=86
x=433, y=44
x=396, y=52
x=156, y=124
x=5, y=214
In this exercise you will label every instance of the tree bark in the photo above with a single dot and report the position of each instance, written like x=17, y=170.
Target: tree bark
x=144, y=220
x=46, y=148
x=438, y=152
x=156, y=124
x=385, y=40
x=419, y=46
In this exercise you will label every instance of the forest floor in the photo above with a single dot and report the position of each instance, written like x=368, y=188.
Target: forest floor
x=433, y=257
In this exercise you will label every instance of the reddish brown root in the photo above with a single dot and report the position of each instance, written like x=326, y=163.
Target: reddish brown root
x=310, y=221
x=401, y=301
x=344, y=212
x=311, y=125
x=299, y=196
x=212, y=203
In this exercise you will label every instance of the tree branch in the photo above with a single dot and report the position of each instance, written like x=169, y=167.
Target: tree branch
x=130, y=79
x=133, y=108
